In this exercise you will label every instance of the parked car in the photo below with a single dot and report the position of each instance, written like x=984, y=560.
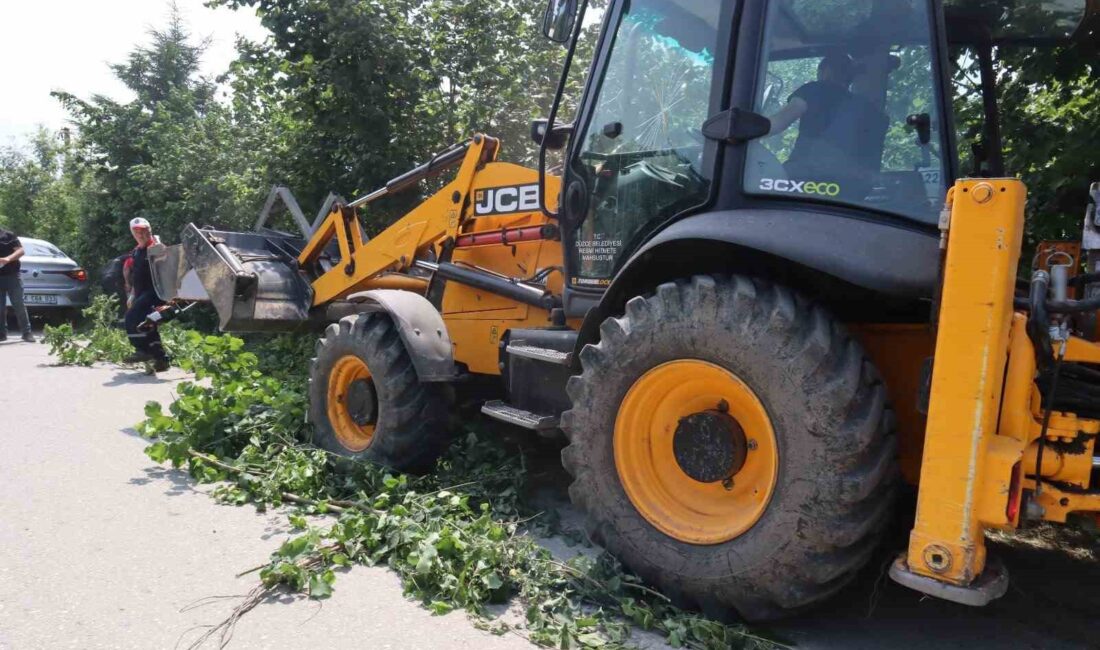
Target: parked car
x=54, y=286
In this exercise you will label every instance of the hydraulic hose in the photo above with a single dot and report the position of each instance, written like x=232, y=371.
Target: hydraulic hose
x=1072, y=306
x=1038, y=323
x=1061, y=306
x=1046, y=418
x=1079, y=281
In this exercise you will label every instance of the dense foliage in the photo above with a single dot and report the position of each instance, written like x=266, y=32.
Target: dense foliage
x=463, y=537
x=340, y=97
x=103, y=341
x=345, y=94
x=1047, y=101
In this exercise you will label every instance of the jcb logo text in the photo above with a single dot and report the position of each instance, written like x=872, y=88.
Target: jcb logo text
x=503, y=200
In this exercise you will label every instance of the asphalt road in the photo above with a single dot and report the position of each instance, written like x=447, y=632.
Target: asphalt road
x=102, y=548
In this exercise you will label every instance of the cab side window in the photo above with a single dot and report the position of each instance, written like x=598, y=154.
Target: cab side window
x=851, y=92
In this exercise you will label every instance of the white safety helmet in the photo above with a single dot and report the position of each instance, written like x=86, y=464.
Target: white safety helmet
x=139, y=222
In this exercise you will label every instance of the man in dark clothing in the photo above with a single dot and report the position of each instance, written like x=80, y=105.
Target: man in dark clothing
x=143, y=300
x=11, y=285
x=836, y=130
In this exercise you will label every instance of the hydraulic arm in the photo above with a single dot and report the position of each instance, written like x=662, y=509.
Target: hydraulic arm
x=383, y=261
x=989, y=420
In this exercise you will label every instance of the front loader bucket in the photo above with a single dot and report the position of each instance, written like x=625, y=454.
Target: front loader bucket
x=251, y=278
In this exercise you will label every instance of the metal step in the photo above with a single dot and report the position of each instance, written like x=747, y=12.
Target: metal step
x=539, y=354
x=498, y=410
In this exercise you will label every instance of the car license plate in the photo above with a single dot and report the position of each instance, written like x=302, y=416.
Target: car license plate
x=39, y=299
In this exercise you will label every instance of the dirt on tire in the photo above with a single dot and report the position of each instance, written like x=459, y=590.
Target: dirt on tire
x=834, y=428
x=412, y=427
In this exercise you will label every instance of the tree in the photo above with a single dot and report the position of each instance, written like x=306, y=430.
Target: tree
x=39, y=188
x=368, y=88
x=174, y=154
x=1051, y=130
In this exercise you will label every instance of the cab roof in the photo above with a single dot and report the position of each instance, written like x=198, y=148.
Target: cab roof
x=1022, y=22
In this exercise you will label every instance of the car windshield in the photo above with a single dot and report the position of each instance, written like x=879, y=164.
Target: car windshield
x=42, y=249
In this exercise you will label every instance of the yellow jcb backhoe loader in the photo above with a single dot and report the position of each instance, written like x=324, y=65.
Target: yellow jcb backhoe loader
x=760, y=294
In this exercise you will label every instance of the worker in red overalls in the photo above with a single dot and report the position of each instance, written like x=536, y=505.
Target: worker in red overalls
x=142, y=299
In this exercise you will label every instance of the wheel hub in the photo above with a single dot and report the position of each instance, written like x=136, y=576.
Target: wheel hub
x=709, y=446
x=683, y=431
x=361, y=402
x=352, y=403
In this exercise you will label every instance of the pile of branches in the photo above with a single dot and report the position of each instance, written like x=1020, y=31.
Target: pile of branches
x=462, y=537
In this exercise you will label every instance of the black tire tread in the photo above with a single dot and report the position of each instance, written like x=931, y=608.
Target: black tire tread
x=835, y=537
x=413, y=416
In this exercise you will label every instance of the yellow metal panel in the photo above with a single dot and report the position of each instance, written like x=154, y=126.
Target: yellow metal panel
x=1017, y=415
x=518, y=261
x=1001, y=456
x=971, y=352
x=477, y=320
x=1057, y=504
x=499, y=174
x=899, y=351
x=1083, y=351
x=477, y=341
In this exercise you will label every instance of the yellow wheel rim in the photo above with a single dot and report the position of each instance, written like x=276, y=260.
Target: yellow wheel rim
x=352, y=433
x=685, y=508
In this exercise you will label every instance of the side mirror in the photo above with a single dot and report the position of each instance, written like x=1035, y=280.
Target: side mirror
x=922, y=122
x=558, y=135
x=557, y=22
x=736, y=125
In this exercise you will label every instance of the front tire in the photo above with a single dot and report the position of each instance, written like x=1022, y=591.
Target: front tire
x=366, y=402
x=771, y=523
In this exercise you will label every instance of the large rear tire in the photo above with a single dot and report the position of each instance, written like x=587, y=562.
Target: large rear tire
x=772, y=522
x=365, y=400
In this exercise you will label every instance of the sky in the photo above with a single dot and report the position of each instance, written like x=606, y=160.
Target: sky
x=67, y=45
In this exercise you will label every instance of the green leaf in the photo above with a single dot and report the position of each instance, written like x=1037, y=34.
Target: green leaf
x=158, y=452
x=423, y=565
x=440, y=607
x=294, y=547
x=318, y=587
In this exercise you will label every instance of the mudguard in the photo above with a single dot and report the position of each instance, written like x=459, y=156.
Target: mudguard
x=892, y=260
x=421, y=328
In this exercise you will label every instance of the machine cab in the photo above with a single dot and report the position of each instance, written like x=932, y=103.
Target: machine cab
x=831, y=108
x=698, y=106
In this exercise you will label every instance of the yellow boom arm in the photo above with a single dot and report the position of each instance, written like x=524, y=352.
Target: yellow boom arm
x=380, y=262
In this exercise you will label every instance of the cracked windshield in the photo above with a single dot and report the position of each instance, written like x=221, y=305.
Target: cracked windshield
x=641, y=155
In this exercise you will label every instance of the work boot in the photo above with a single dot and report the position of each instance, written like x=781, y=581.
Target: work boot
x=138, y=357
x=3, y=336
x=161, y=365
x=29, y=338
